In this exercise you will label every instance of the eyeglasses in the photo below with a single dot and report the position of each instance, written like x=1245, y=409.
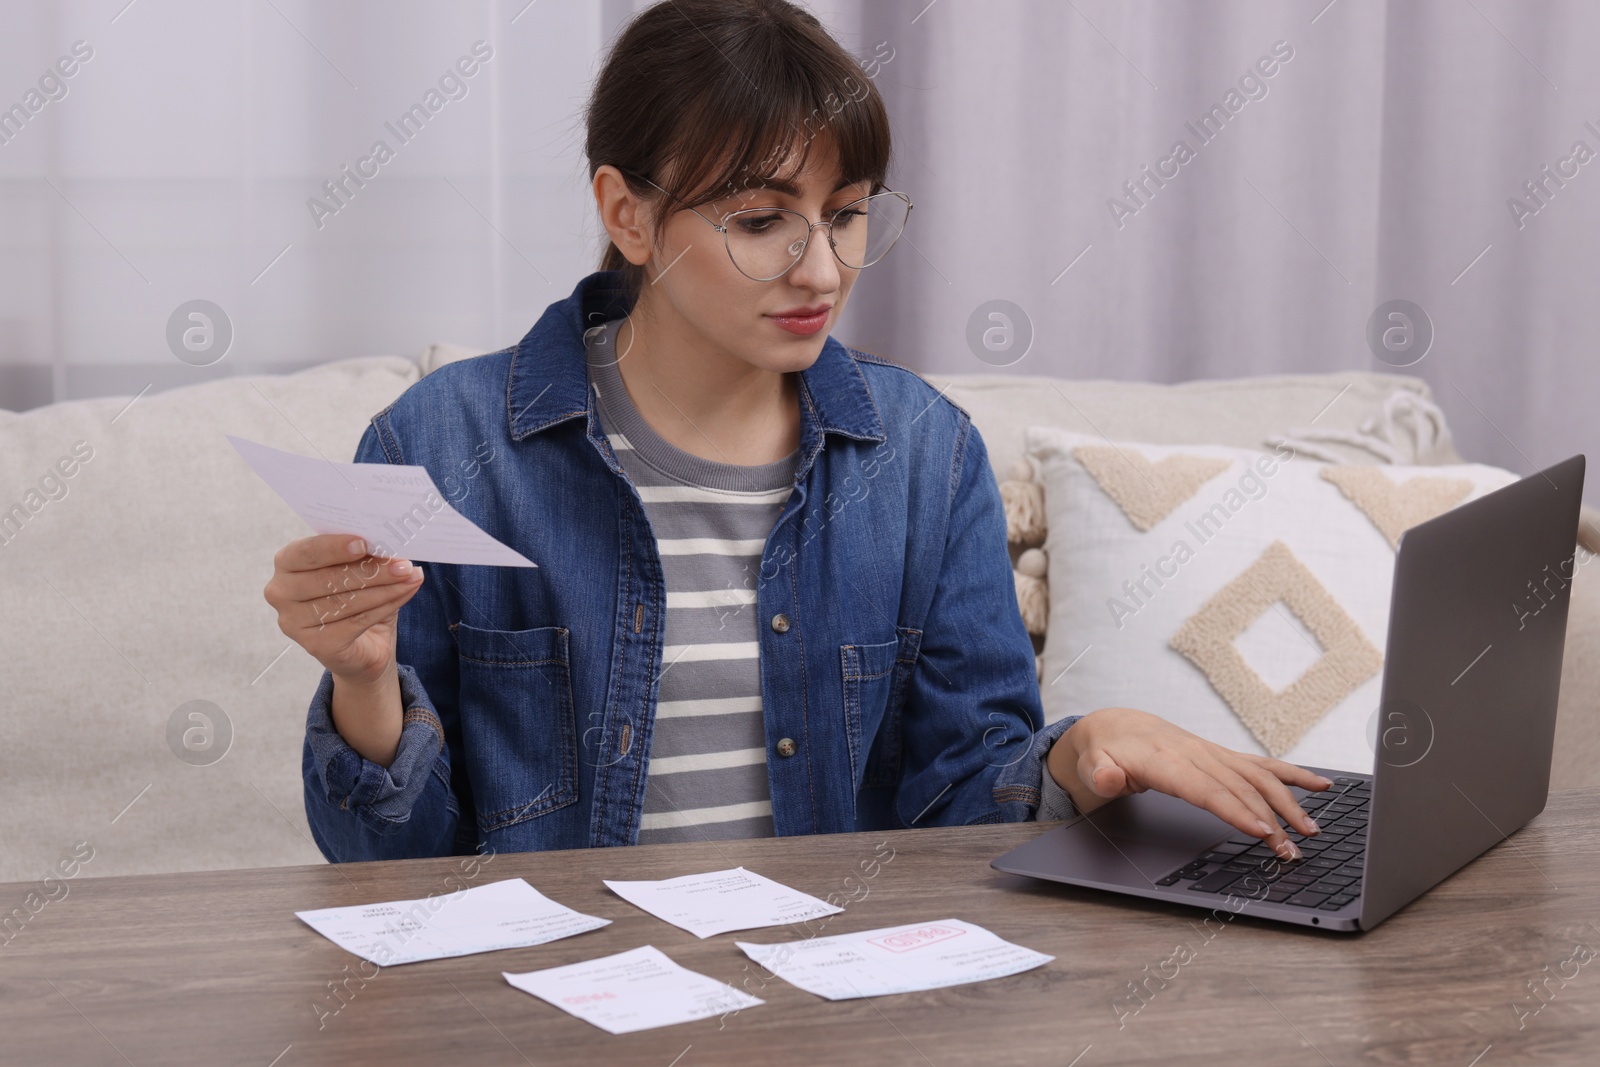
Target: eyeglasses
x=765, y=243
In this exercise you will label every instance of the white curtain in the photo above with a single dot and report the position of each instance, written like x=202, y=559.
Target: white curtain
x=1382, y=158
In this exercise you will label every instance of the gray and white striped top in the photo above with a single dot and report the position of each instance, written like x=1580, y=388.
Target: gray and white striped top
x=707, y=773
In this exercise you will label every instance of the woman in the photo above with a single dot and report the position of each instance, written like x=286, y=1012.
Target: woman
x=772, y=593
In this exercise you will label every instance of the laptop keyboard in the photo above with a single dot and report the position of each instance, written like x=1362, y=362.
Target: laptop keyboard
x=1325, y=878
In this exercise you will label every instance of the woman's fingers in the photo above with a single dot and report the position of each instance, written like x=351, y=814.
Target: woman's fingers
x=1271, y=787
x=324, y=611
x=1184, y=778
x=1290, y=772
x=334, y=623
x=1241, y=787
x=348, y=630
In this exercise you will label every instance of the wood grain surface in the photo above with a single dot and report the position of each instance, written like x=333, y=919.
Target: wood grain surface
x=1496, y=966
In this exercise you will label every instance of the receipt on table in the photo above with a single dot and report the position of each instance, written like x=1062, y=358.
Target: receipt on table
x=505, y=914
x=634, y=990
x=896, y=959
x=396, y=508
x=714, y=903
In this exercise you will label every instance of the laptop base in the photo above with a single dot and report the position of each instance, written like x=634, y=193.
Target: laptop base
x=1131, y=844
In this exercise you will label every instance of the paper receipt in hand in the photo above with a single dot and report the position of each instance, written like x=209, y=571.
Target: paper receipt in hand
x=505, y=914
x=714, y=903
x=896, y=959
x=396, y=508
x=630, y=991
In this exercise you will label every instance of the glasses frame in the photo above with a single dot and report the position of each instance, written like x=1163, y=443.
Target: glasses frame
x=722, y=228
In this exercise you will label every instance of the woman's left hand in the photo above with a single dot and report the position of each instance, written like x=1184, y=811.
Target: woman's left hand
x=1114, y=752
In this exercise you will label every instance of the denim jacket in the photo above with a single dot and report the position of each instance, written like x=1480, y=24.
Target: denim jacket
x=898, y=683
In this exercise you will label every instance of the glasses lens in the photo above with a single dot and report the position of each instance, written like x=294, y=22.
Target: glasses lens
x=766, y=242
x=864, y=231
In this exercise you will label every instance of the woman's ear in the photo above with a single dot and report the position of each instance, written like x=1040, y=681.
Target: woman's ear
x=626, y=217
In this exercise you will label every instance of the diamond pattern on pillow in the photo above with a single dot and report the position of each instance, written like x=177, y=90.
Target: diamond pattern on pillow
x=1147, y=492
x=1396, y=507
x=1277, y=718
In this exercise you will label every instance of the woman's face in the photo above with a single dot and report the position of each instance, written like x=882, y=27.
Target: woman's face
x=698, y=295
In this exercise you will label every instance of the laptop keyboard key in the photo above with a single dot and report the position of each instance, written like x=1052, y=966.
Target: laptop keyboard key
x=1216, y=882
x=1307, y=899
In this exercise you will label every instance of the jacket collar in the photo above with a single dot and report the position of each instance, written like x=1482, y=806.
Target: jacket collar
x=549, y=380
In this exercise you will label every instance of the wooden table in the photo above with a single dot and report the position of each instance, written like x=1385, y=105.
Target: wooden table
x=214, y=968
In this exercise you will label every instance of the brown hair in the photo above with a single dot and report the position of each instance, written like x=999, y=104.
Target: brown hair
x=708, y=95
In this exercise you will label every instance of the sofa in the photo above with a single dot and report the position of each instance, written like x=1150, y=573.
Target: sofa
x=154, y=710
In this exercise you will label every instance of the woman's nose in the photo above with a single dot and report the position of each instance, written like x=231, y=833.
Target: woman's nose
x=818, y=268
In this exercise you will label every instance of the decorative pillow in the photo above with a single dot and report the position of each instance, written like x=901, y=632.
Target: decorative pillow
x=1241, y=594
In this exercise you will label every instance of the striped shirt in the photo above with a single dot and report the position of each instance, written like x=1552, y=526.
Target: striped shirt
x=707, y=771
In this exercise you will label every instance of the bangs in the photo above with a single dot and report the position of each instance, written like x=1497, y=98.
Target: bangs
x=737, y=137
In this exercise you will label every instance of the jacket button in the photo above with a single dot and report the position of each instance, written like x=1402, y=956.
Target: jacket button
x=786, y=746
x=780, y=623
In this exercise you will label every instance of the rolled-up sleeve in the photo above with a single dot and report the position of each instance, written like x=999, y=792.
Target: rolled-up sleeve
x=349, y=780
x=1054, y=802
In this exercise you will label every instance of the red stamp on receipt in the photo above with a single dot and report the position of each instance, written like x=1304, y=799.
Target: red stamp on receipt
x=920, y=937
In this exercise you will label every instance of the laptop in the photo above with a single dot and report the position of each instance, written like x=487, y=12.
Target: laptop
x=1477, y=625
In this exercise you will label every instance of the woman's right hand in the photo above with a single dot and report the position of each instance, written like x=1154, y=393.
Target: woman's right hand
x=340, y=604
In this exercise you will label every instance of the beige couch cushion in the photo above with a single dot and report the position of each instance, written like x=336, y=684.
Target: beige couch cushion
x=1243, y=412
x=139, y=590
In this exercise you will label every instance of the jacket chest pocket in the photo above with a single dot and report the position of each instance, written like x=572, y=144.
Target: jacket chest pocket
x=875, y=677
x=518, y=726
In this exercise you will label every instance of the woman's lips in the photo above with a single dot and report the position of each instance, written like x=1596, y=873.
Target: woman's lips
x=804, y=325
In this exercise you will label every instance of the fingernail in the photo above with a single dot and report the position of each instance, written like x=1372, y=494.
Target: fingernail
x=400, y=566
x=1313, y=824
x=358, y=547
x=1265, y=829
x=1325, y=781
